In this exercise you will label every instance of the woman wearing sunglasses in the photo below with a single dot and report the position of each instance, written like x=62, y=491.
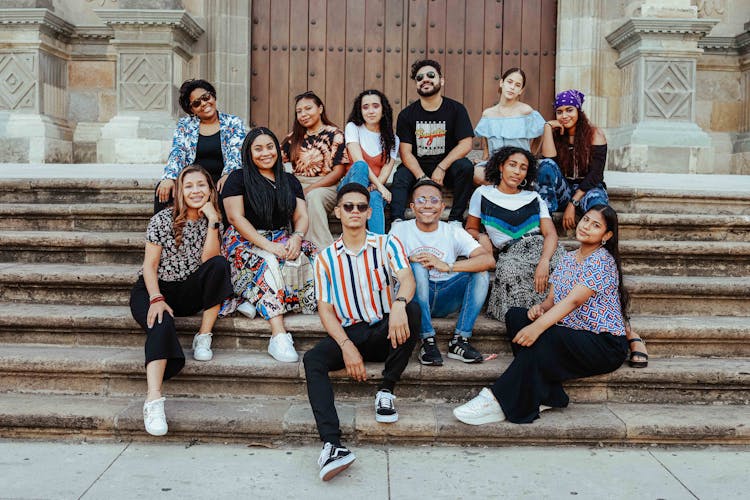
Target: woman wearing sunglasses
x=519, y=226
x=317, y=151
x=271, y=267
x=205, y=137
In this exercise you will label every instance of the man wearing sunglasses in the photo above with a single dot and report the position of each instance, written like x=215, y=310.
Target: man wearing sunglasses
x=435, y=134
x=367, y=317
x=444, y=284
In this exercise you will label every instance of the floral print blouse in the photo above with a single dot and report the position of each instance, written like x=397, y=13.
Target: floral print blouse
x=185, y=142
x=176, y=264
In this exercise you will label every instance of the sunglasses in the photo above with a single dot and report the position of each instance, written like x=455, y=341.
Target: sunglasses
x=204, y=98
x=422, y=200
x=349, y=207
x=422, y=76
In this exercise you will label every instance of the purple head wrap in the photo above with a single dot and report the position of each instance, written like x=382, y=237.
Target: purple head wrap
x=570, y=97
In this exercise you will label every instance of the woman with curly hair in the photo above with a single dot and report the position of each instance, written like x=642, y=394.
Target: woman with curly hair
x=577, y=331
x=182, y=274
x=519, y=228
x=266, y=210
x=372, y=144
x=205, y=137
x=571, y=177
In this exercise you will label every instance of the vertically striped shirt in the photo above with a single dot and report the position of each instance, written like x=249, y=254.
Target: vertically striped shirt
x=360, y=285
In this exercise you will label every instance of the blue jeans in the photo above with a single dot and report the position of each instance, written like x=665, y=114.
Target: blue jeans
x=360, y=173
x=464, y=291
x=557, y=191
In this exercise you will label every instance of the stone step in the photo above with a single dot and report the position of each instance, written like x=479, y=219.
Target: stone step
x=77, y=190
x=693, y=227
x=105, y=325
x=694, y=258
x=110, y=284
x=272, y=421
x=119, y=371
x=105, y=217
x=72, y=247
x=634, y=193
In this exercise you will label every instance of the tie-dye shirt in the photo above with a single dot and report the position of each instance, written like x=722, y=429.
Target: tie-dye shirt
x=601, y=312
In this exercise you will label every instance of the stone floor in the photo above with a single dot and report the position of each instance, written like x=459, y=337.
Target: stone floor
x=137, y=470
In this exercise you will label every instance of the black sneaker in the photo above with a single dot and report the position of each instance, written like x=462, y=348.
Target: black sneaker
x=461, y=350
x=334, y=459
x=385, y=409
x=430, y=354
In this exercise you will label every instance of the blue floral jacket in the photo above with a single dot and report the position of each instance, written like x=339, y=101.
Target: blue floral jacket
x=185, y=142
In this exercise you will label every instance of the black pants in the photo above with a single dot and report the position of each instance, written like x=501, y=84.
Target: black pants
x=459, y=176
x=205, y=288
x=536, y=374
x=373, y=345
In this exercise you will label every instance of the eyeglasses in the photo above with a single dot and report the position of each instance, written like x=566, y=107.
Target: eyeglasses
x=306, y=95
x=429, y=74
x=349, y=207
x=422, y=200
x=204, y=98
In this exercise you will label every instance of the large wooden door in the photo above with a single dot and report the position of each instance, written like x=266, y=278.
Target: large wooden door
x=338, y=48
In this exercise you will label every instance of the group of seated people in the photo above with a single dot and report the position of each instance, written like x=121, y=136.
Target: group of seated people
x=234, y=231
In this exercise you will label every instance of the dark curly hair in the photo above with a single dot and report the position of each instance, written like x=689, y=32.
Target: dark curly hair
x=492, y=168
x=613, y=247
x=187, y=88
x=387, y=137
x=421, y=64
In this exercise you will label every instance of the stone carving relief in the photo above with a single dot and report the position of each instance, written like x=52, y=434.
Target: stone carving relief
x=144, y=82
x=669, y=89
x=711, y=8
x=17, y=81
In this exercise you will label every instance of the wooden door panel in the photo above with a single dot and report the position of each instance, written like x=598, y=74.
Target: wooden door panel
x=337, y=48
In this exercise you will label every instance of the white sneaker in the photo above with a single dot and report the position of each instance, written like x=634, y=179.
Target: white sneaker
x=247, y=310
x=483, y=409
x=385, y=409
x=281, y=347
x=202, y=347
x=153, y=417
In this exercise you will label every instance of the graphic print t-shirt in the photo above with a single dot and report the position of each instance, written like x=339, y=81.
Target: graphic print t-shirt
x=447, y=243
x=433, y=134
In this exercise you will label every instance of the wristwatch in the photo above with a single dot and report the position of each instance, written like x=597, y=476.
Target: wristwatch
x=401, y=299
x=576, y=203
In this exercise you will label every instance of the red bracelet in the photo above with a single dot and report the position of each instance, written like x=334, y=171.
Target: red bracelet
x=160, y=298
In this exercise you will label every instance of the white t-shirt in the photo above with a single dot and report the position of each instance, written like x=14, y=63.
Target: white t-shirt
x=446, y=243
x=507, y=216
x=368, y=140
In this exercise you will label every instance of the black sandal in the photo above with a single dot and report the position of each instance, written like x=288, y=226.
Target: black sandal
x=638, y=364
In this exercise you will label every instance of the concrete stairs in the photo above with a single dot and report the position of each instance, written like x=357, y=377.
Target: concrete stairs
x=71, y=357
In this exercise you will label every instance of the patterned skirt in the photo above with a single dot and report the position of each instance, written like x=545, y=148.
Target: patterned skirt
x=513, y=284
x=274, y=286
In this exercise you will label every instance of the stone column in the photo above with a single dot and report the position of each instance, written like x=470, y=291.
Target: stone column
x=153, y=48
x=228, y=54
x=33, y=77
x=741, y=146
x=657, y=58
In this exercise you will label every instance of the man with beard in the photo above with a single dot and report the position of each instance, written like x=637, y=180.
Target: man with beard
x=435, y=134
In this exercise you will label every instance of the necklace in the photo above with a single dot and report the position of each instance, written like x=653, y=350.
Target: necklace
x=272, y=183
x=317, y=131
